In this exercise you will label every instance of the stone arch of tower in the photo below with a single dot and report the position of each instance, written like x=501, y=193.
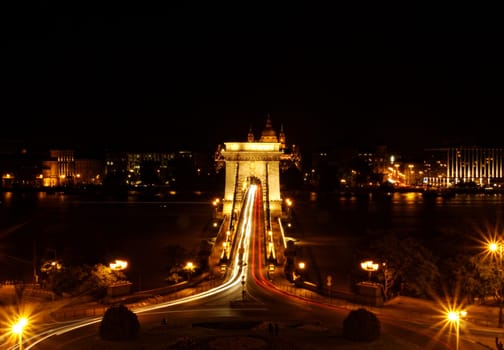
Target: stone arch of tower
x=249, y=163
x=257, y=161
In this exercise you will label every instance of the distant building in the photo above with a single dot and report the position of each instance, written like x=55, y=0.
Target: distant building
x=20, y=168
x=89, y=171
x=464, y=166
x=63, y=169
x=477, y=167
x=59, y=168
x=175, y=169
x=149, y=168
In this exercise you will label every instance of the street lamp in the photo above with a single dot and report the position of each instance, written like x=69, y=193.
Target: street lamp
x=189, y=268
x=301, y=266
x=370, y=267
x=215, y=204
x=495, y=247
x=118, y=265
x=454, y=317
x=288, y=202
x=18, y=329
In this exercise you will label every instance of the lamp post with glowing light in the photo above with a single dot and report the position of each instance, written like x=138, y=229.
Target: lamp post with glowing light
x=118, y=265
x=288, y=202
x=301, y=267
x=189, y=268
x=215, y=204
x=454, y=317
x=496, y=247
x=370, y=267
x=18, y=329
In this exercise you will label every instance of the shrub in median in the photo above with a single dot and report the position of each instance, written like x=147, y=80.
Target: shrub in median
x=361, y=325
x=119, y=323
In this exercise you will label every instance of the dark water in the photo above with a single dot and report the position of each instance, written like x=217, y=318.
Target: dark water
x=408, y=213
x=147, y=233
x=335, y=227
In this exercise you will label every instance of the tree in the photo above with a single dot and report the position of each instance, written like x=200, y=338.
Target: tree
x=149, y=174
x=410, y=268
x=119, y=323
x=291, y=179
x=490, y=276
x=326, y=176
x=461, y=276
x=184, y=172
x=67, y=280
x=83, y=279
x=361, y=325
x=101, y=277
x=361, y=173
x=389, y=275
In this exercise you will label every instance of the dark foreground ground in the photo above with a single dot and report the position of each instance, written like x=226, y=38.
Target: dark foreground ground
x=252, y=337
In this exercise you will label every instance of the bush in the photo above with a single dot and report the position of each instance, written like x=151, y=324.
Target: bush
x=361, y=325
x=119, y=323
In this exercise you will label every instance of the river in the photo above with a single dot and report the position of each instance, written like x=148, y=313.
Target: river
x=149, y=233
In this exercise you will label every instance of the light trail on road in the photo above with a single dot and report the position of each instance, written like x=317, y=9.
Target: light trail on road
x=239, y=268
x=248, y=231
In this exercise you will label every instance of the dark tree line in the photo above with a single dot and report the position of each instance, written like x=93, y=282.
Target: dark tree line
x=408, y=267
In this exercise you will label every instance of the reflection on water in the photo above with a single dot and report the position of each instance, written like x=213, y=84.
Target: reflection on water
x=334, y=227
x=93, y=230
x=462, y=215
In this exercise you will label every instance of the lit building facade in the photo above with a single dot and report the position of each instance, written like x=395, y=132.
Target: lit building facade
x=59, y=169
x=145, y=167
x=257, y=159
x=482, y=167
x=154, y=169
x=63, y=169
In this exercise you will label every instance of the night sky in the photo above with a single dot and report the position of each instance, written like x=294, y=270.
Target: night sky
x=194, y=79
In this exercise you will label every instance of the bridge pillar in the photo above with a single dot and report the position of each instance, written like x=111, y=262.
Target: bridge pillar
x=247, y=163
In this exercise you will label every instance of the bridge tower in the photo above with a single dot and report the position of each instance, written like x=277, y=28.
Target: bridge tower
x=251, y=162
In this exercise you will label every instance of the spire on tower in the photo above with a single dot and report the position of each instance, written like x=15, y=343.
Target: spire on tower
x=268, y=121
x=250, y=136
x=281, y=138
x=268, y=134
